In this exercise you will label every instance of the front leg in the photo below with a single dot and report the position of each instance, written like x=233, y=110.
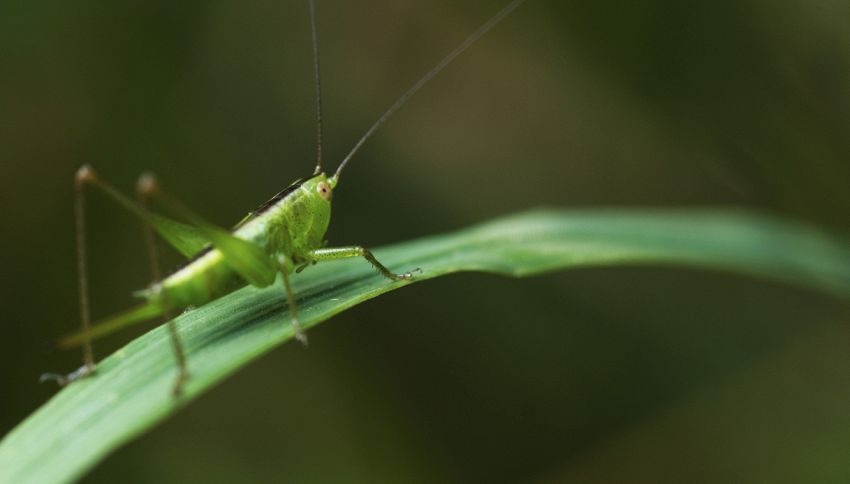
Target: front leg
x=334, y=253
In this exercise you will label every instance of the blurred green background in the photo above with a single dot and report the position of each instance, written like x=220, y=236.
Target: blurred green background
x=604, y=375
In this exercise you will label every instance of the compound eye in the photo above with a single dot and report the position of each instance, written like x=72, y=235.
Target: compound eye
x=324, y=190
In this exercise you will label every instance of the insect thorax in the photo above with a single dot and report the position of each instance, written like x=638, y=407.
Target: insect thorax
x=297, y=223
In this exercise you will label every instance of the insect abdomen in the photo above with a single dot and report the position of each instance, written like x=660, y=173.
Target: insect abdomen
x=199, y=282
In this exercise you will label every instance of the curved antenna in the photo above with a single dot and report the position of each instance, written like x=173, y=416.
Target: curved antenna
x=428, y=76
x=318, y=81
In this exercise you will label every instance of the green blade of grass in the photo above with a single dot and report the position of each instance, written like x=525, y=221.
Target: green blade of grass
x=130, y=393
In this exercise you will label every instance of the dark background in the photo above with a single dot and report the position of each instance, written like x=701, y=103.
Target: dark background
x=604, y=375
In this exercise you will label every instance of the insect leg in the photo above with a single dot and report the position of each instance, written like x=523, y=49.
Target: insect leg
x=144, y=189
x=358, y=251
x=300, y=335
x=81, y=179
x=171, y=231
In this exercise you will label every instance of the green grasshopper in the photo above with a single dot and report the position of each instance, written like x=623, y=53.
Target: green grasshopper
x=284, y=235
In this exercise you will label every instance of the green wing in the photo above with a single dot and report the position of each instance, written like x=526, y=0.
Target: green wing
x=186, y=239
x=246, y=258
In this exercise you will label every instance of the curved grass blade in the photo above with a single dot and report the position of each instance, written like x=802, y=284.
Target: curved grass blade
x=130, y=393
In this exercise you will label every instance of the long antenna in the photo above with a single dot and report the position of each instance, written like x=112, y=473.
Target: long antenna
x=318, y=80
x=504, y=12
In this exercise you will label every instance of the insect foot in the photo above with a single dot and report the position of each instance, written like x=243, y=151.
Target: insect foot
x=407, y=276
x=64, y=380
x=300, y=335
